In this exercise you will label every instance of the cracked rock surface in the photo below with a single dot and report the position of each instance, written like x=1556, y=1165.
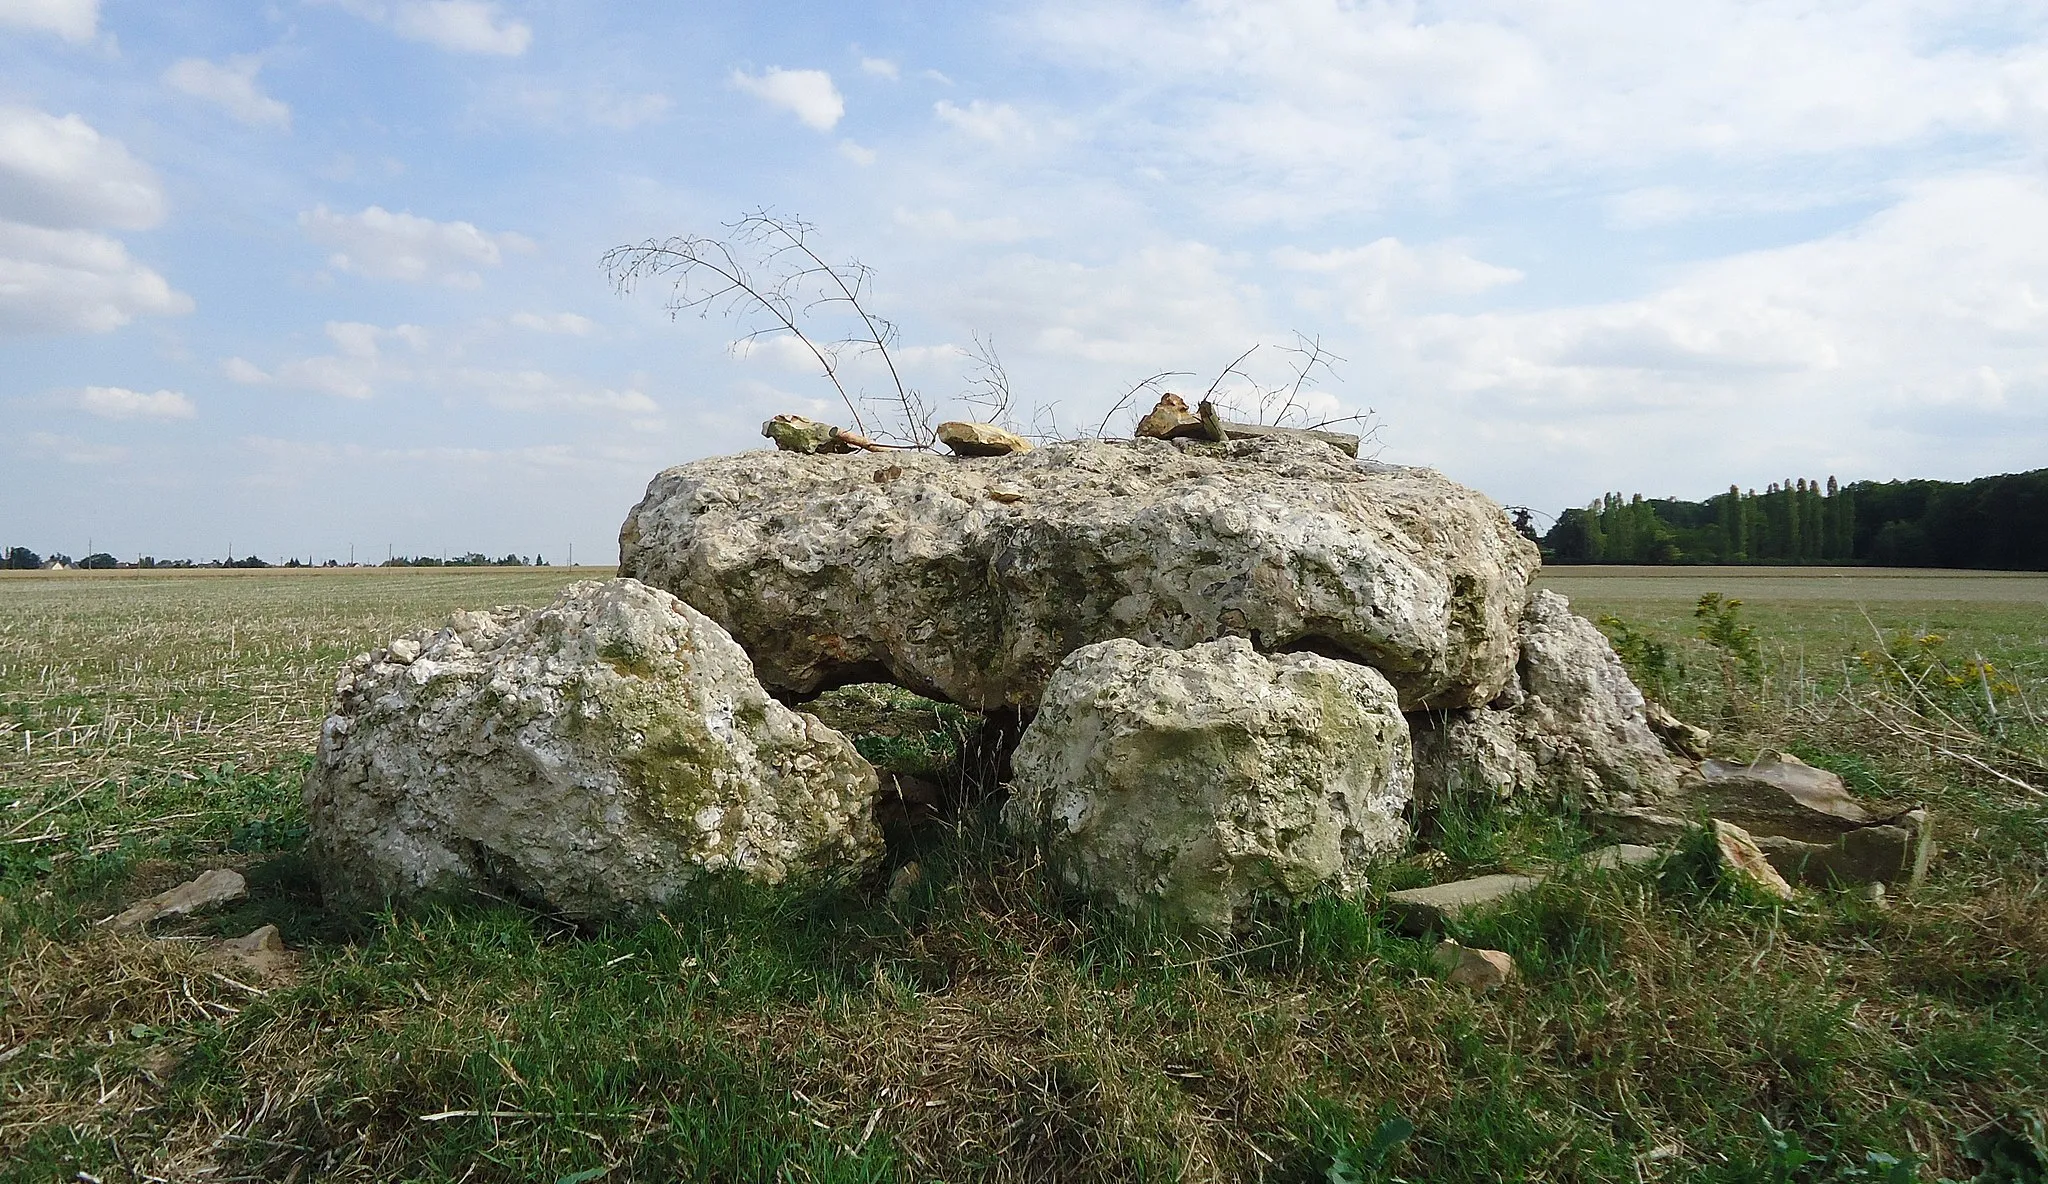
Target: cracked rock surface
x=599, y=753
x=969, y=579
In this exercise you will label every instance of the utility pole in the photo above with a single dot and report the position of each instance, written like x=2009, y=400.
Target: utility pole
x=572, y=554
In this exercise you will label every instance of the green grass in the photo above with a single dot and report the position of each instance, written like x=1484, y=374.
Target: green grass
x=1662, y=1027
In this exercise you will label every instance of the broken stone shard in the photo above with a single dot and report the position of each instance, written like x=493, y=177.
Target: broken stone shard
x=596, y=754
x=1192, y=783
x=1475, y=970
x=827, y=577
x=218, y=886
x=1169, y=419
x=1740, y=857
x=981, y=439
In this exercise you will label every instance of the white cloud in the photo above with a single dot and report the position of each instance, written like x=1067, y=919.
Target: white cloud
x=1910, y=343
x=599, y=106
x=113, y=402
x=560, y=322
x=995, y=122
x=404, y=246
x=75, y=281
x=73, y=20
x=1387, y=274
x=459, y=26
x=244, y=371
x=538, y=390
x=1311, y=106
x=58, y=171
x=880, y=68
x=74, y=451
x=232, y=87
x=807, y=94
x=856, y=153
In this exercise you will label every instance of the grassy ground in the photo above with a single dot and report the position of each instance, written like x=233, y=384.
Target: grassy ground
x=1664, y=1027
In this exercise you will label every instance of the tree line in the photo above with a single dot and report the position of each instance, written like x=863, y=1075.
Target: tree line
x=21, y=558
x=1993, y=522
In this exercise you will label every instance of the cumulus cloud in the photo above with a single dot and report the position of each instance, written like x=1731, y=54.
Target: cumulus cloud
x=1163, y=307
x=856, y=153
x=75, y=281
x=404, y=246
x=807, y=94
x=1317, y=105
x=60, y=172
x=458, y=26
x=114, y=402
x=231, y=86
x=995, y=122
x=73, y=20
x=880, y=68
x=1854, y=352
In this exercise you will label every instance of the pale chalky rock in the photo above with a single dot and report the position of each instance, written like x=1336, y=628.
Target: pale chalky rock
x=828, y=576
x=1192, y=783
x=1572, y=729
x=1478, y=971
x=218, y=886
x=599, y=753
x=980, y=439
x=1742, y=858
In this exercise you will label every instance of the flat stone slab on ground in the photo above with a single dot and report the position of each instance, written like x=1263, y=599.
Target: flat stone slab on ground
x=1419, y=909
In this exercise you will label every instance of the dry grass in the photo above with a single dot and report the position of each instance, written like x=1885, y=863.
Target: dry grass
x=985, y=1029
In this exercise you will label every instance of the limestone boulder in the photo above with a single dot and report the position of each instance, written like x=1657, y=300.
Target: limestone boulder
x=969, y=579
x=1192, y=783
x=596, y=754
x=1571, y=728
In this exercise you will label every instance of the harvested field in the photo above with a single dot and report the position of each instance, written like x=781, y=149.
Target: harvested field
x=1663, y=1027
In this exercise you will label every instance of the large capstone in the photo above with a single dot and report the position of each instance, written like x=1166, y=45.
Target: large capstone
x=1190, y=784
x=599, y=753
x=969, y=579
x=1570, y=729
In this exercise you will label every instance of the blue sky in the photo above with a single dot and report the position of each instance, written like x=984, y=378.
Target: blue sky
x=311, y=275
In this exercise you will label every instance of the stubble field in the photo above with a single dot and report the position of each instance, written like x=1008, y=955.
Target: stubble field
x=1665, y=1026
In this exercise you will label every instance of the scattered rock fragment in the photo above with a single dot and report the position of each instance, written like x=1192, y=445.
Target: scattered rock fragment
x=1476, y=970
x=1169, y=419
x=260, y=950
x=593, y=755
x=1682, y=738
x=1740, y=857
x=1872, y=894
x=905, y=881
x=1193, y=782
x=210, y=888
x=1417, y=910
x=403, y=650
x=1622, y=855
x=1894, y=851
x=1779, y=794
x=794, y=433
x=981, y=439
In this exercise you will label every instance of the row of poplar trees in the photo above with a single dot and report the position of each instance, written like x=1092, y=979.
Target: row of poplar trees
x=1798, y=521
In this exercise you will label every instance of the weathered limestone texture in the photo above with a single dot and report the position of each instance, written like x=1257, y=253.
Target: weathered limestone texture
x=1194, y=782
x=969, y=579
x=598, y=753
x=1572, y=728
